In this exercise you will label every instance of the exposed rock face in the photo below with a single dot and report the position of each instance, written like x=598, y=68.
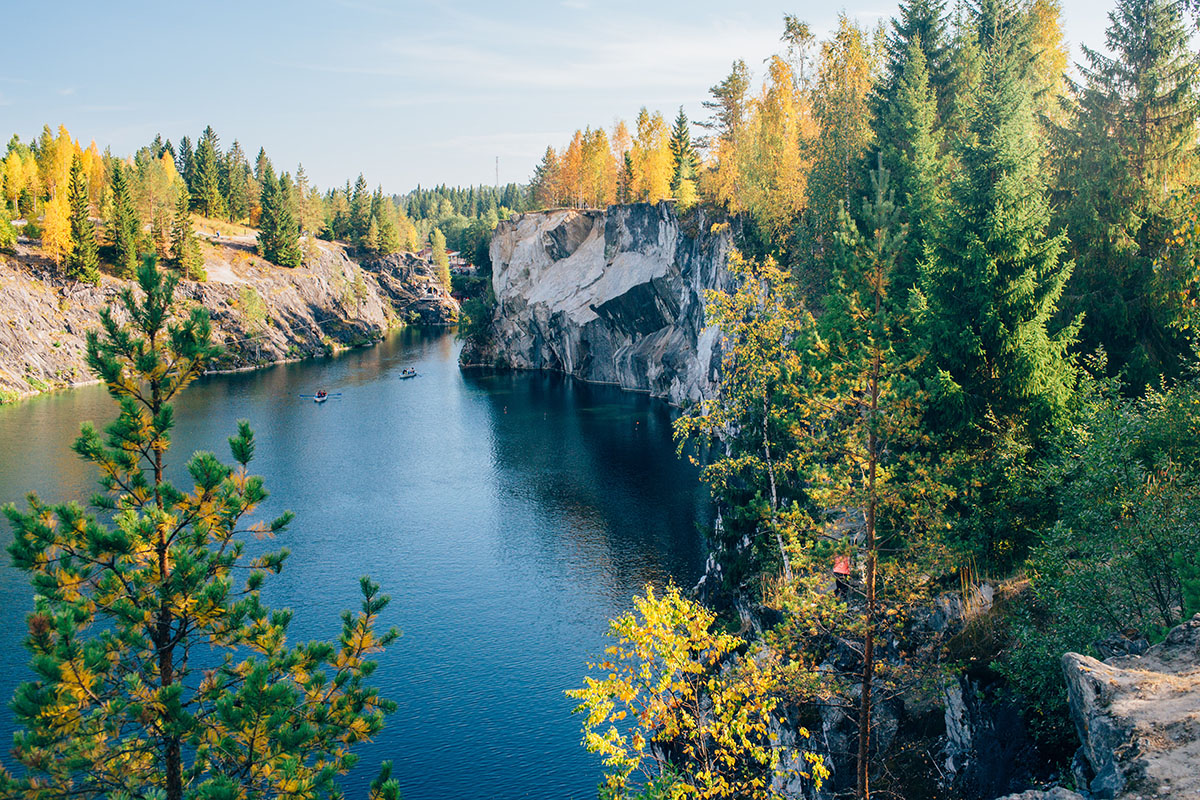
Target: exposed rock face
x=1139, y=718
x=614, y=296
x=413, y=288
x=261, y=313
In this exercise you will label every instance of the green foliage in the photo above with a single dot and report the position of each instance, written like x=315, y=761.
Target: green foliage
x=1125, y=550
x=437, y=243
x=124, y=228
x=83, y=262
x=1131, y=146
x=672, y=701
x=208, y=199
x=752, y=418
x=185, y=254
x=129, y=595
x=278, y=234
x=1000, y=378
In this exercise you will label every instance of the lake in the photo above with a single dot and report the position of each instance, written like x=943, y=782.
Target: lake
x=509, y=516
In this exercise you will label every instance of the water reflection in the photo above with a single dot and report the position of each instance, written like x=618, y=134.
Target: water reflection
x=508, y=516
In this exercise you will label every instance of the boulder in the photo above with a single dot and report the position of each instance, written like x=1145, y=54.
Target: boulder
x=1138, y=717
x=1055, y=793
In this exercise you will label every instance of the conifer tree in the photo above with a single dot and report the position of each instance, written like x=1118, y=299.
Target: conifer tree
x=185, y=253
x=909, y=151
x=1000, y=377
x=206, y=191
x=360, y=210
x=237, y=184
x=278, y=234
x=185, y=161
x=371, y=241
x=437, y=243
x=130, y=593
x=683, y=154
x=1133, y=143
x=545, y=183
x=124, y=227
x=389, y=236
x=83, y=261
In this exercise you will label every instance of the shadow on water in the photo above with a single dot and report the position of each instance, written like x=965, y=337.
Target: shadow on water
x=508, y=516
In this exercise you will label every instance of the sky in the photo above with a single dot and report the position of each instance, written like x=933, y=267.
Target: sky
x=416, y=92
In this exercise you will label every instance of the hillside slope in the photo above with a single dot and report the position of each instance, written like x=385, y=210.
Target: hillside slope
x=261, y=313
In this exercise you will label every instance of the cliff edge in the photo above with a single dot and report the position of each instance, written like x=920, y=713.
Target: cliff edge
x=610, y=296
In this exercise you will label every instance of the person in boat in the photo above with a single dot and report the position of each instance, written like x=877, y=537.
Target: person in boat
x=321, y=393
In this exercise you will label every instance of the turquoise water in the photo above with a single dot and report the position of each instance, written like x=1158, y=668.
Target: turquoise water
x=508, y=516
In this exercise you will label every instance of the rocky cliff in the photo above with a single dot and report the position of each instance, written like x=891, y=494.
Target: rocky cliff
x=1138, y=717
x=261, y=313
x=613, y=296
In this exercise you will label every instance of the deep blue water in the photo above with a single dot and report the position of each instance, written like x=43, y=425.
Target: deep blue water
x=508, y=516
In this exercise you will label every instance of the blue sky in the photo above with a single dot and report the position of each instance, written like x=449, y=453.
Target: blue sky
x=406, y=92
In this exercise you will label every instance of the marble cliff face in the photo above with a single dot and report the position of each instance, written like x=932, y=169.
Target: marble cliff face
x=614, y=296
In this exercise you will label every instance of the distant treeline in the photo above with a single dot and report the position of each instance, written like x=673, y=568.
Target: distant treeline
x=143, y=193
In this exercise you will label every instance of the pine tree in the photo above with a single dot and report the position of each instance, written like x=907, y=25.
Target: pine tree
x=125, y=227
x=1000, y=378
x=863, y=412
x=185, y=250
x=131, y=594
x=83, y=261
x=268, y=226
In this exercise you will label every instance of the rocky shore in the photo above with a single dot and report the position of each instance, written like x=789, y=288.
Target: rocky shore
x=261, y=313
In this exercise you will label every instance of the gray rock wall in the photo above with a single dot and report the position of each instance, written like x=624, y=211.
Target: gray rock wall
x=613, y=296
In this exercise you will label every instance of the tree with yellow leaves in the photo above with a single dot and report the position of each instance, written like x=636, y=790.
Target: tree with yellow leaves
x=56, y=228
x=129, y=595
x=673, y=701
x=653, y=165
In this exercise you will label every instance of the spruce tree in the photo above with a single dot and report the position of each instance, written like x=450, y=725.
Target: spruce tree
x=185, y=250
x=683, y=179
x=206, y=191
x=185, y=161
x=268, y=218
x=360, y=210
x=1133, y=143
x=1000, y=377
x=159, y=672
x=125, y=227
x=278, y=234
x=83, y=261
x=389, y=236
x=237, y=183
x=910, y=154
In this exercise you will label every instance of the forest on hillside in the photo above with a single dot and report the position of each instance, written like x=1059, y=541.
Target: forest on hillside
x=960, y=349
x=52, y=186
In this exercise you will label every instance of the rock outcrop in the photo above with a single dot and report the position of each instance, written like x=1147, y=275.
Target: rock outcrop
x=613, y=296
x=1138, y=717
x=261, y=313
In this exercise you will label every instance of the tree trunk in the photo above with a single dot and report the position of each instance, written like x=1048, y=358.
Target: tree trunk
x=787, y=563
x=868, y=670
